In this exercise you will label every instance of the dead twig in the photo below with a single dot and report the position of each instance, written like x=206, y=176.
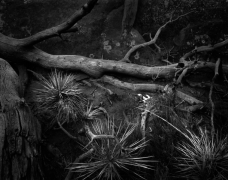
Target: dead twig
x=210, y=95
x=66, y=132
x=77, y=160
x=184, y=72
x=94, y=136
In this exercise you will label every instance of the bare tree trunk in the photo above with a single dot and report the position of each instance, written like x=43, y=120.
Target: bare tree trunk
x=20, y=132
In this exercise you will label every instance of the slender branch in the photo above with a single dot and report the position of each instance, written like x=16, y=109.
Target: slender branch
x=62, y=28
x=210, y=95
x=102, y=87
x=203, y=49
x=77, y=160
x=66, y=132
x=144, y=116
x=94, y=136
x=184, y=72
x=152, y=41
x=169, y=124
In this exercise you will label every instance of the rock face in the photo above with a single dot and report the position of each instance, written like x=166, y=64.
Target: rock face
x=100, y=34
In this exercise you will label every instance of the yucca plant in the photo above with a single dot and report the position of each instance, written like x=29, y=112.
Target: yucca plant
x=89, y=112
x=203, y=156
x=59, y=97
x=113, y=154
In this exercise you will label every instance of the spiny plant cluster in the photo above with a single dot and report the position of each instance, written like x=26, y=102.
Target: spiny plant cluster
x=200, y=155
x=116, y=150
x=203, y=156
x=59, y=96
x=116, y=156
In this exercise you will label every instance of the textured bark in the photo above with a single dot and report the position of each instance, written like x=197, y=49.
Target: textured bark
x=20, y=132
x=93, y=67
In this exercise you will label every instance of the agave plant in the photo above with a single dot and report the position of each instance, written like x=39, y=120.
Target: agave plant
x=203, y=156
x=58, y=96
x=113, y=154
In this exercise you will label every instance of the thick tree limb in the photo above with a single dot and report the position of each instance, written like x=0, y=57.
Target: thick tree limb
x=192, y=108
x=149, y=88
x=93, y=67
x=62, y=28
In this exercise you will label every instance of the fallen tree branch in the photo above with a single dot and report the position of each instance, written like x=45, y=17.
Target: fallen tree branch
x=192, y=108
x=93, y=67
x=11, y=48
x=149, y=88
x=210, y=95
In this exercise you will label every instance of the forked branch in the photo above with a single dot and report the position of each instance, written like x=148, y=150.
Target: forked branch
x=94, y=136
x=152, y=41
x=67, y=26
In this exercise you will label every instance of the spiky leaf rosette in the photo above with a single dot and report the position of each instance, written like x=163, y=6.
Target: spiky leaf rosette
x=203, y=157
x=58, y=96
x=89, y=112
x=113, y=157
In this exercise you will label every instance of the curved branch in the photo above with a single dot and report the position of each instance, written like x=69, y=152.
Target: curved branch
x=62, y=28
x=152, y=41
x=77, y=160
x=203, y=49
x=66, y=132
